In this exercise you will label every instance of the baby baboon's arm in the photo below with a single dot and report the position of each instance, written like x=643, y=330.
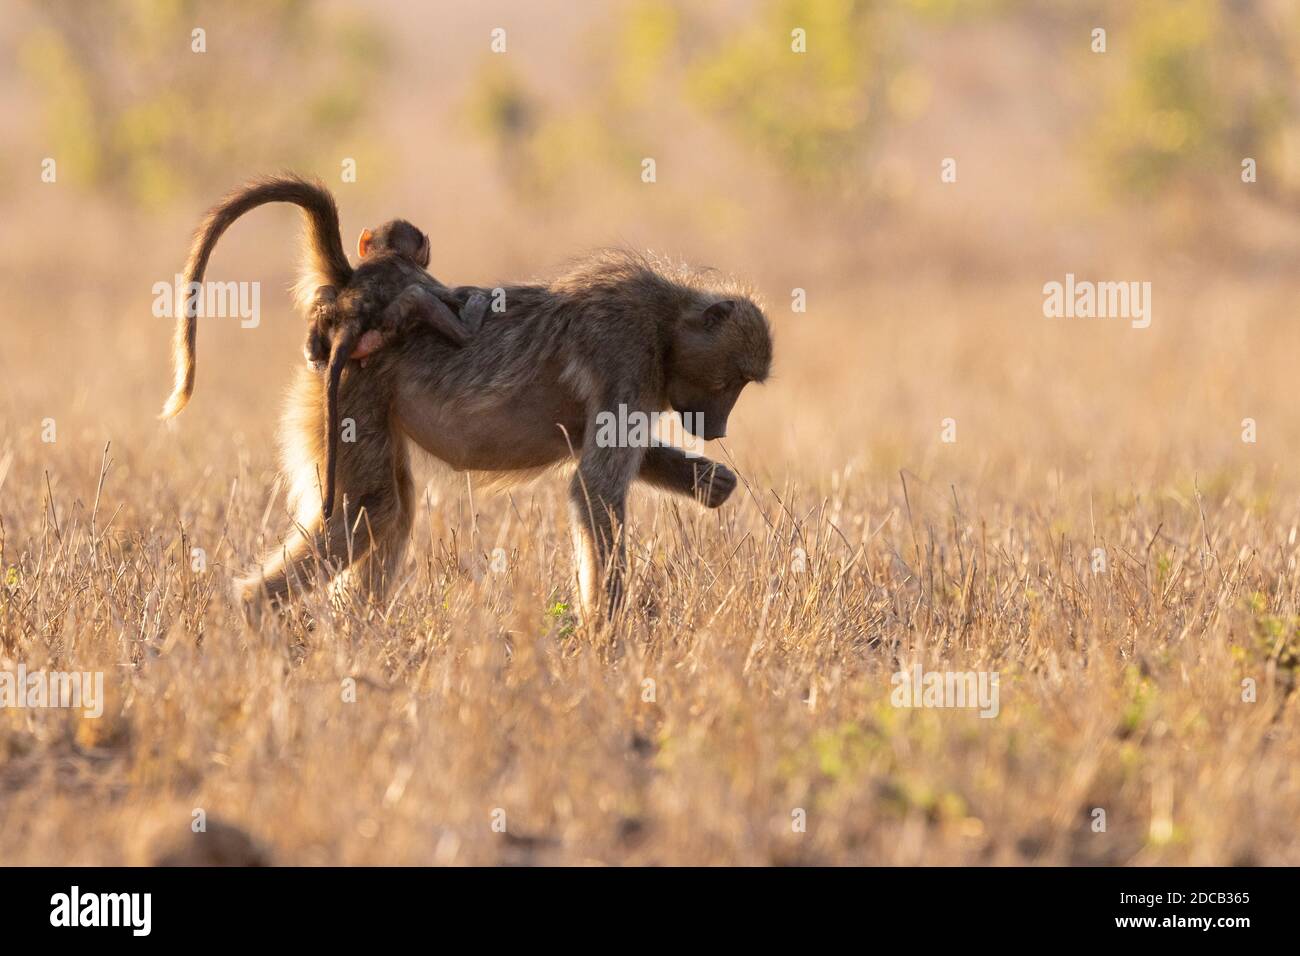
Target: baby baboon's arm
x=419, y=305
x=671, y=469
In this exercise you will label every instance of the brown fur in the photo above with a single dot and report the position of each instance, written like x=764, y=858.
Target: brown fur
x=523, y=395
x=390, y=292
x=366, y=537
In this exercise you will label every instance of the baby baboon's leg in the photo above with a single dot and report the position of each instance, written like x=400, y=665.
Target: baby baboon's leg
x=323, y=316
x=367, y=534
x=418, y=305
x=598, y=499
x=385, y=526
x=672, y=469
x=375, y=470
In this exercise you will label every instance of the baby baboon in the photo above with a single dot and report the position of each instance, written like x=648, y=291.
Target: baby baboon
x=388, y=294
x=619, y=333
x=391, y=282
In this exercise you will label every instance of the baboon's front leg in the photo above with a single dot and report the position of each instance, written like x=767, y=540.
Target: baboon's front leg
x=672, y=469
x=598, y=500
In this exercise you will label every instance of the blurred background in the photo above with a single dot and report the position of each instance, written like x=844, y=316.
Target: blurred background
x=815, y=172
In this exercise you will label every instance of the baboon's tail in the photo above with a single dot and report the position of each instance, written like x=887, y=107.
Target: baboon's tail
x=324, y=251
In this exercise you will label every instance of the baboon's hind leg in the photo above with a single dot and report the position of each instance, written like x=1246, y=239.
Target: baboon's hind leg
x=310, y=556
x=365, y=538
x=385, y=528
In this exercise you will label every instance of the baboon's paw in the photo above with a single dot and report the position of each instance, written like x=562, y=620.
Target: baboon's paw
x=715, y=485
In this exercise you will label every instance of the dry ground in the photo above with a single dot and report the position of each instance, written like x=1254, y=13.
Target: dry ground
x=476, y=692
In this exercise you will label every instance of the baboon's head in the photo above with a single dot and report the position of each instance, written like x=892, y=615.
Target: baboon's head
x=716, y=352
x=396, y=235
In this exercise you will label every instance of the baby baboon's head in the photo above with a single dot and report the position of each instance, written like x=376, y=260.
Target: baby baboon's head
x=716, y=352
x=396, y=235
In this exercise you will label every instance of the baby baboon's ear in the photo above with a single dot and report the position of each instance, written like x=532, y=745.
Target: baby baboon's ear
x=363, y=242
x=719, y=310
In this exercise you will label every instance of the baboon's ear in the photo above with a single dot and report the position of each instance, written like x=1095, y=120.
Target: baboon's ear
x=363, y=242
x=719, y=311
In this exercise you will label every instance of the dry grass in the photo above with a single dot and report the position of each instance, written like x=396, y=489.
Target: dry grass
x=478, y=691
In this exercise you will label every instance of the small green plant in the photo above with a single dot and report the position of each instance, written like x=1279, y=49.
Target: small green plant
x=1276, y=636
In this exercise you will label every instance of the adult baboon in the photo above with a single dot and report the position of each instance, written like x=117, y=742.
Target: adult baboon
x=619, y=333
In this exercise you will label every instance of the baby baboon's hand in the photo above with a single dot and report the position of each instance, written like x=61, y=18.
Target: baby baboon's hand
x=714, y=484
